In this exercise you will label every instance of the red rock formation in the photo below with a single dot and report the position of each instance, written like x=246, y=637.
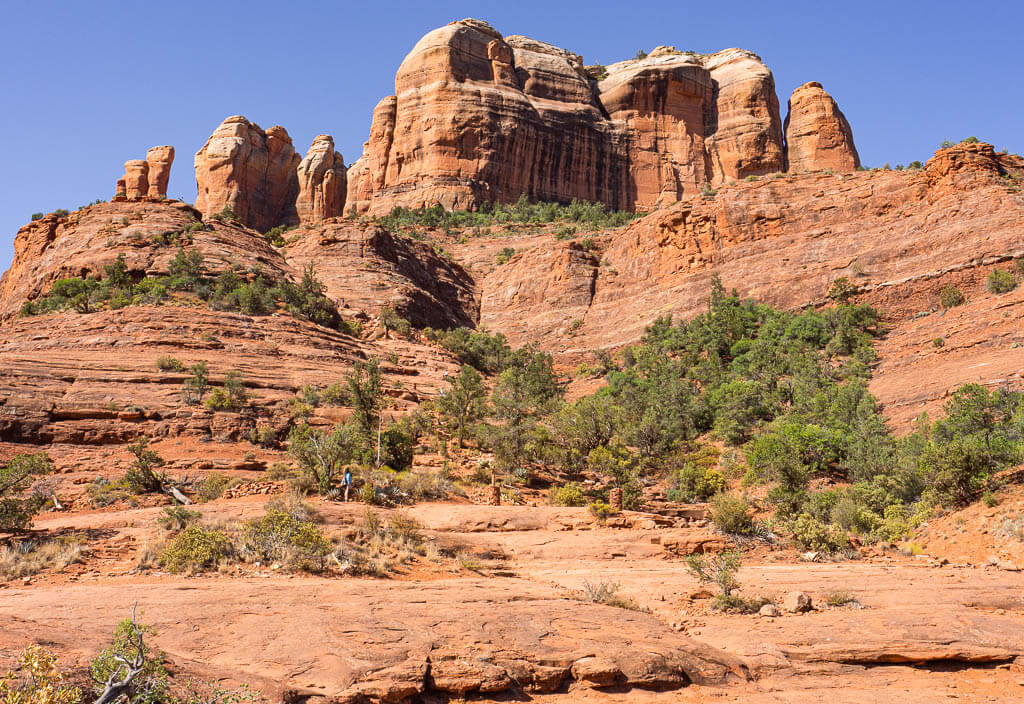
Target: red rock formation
x=480, y=118
x=136, y=179
x=250, y=172
x=322, y=182
x=159, y=160
x=818, y=136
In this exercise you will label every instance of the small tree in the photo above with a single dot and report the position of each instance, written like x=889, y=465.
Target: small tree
x=16, y=477
x=391, y=320
x=719, y=570
x=465, y=401
x=142, y=477
x=366, y=391
x=1000, y=281
x=196, y=386
x=951, y=297
x=188, y=268
x=128, y=670
x=322, y=455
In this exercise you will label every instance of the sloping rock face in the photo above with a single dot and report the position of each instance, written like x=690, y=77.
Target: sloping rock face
x=84, y=242
x=818, y=136
x=249, y=171
x=900, y=236
x=366, y=268
x=322, y=182
x=477, y=117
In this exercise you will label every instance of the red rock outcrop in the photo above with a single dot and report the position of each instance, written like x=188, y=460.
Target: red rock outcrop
x=249, y=171
x=136, y=179
x=477, y=117
x=322, y=182
x=159, y=160
x=900, y=236
x=818, y=137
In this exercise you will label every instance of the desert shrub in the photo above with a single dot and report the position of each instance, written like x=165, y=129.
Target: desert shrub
x=275, y=235
x=16, y=510
x=282, y=537
x=169, y=364
x=477, y=348
x=570, y=494
x=607, y=593
x=230, y=397
x=391, y=320
x=842, y=290
x=152, y=684
x=143, y=476
x=938, y=343
x=196, y=549
x=719, y=570
x=263, y=435
x=1000, y=281
x=214, y=485
x=397, y=446
x=504, y=255
x=697, y=484
x=465, y=402
x=37, y=216
x=322, y=455
x=809, y=533
x=620, y=465
x=29, y=557
x=951, y=297
x=732, y=514
x=422, y=486
x=602, y=511
x=177, y=518
x=840, y=598
x=196, y=386
x=38, y=680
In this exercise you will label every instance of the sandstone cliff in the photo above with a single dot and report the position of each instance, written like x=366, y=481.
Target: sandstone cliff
x=818, y=136
x=322, y=182
x=477, y=117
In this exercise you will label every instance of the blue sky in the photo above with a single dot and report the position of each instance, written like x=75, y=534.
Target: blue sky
x=89, y=85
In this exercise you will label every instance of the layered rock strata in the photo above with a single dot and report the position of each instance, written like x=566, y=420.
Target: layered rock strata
x=477, y=117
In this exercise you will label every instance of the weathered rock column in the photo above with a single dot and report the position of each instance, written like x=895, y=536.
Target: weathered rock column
x=136, y=179
x=494, y=495
x=159, y=160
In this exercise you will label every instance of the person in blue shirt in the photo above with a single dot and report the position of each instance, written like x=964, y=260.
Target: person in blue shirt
x=347, y=481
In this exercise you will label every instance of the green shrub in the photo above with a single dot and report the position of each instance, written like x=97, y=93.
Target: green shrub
x=602, y=511
x=719, y=570
x=811, y=534
x=732, y=514
x=196, y=549
x=391, y=320
x=504, y=255
x=177, y=518
x=697, y=484
x=1000, y=281
x=152, y=684
x=938, y=343
x=231, y=397
x=951, y=297
x=214, y=485
x=37, y=216
x=263, y=435
x=16, y=511
x=570, y=494
x=143, y=476
x=279, y=536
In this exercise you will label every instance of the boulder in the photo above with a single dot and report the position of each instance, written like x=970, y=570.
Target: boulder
x=818, y=136
x=796, y=603
x=769, y=611
x=322, y=182
x=596, y=671
x=249, y=171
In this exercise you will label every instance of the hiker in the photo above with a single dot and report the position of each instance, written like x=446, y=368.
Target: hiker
x=347, y=481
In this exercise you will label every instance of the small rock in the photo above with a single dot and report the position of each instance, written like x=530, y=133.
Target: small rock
x=809, y=557
x=769, y=610
x=796, y=603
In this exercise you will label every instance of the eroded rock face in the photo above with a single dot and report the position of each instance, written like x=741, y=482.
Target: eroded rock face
x=251, y=172
x=322, y=182
x=818, y=136
x=477, y=117
x=136, y=179
x=159, y=160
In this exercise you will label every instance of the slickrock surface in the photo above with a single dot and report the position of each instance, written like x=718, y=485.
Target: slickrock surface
x=250, y=171
x=477, y=117
x=322, y=182
x=817, y=134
